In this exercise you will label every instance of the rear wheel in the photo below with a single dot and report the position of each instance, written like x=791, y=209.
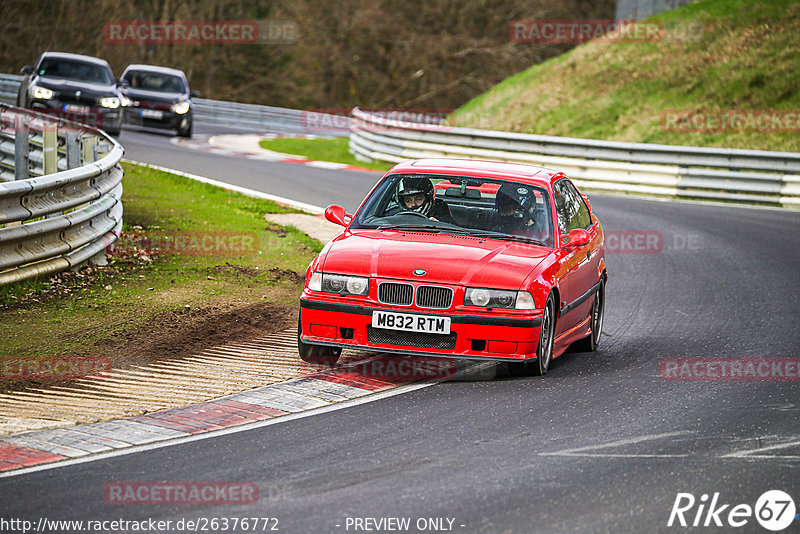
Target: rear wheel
x=589, y=343
x=316, y=354
x=544, y=351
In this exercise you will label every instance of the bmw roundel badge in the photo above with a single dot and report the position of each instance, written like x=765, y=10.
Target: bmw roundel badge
x=419, y=272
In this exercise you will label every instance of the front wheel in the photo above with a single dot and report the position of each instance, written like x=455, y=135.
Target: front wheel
x=590, y=343
x=316, y=354
x=544, y=351
x=185, y=128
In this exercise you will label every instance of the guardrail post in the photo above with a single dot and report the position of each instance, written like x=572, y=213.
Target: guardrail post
x=49, y=149
x=73, y=142
x=89, y=141
x=93, y=151
x=21, y=146
x=100, y=151
x=50, y=155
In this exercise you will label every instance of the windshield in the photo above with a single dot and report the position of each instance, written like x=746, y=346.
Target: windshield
x=479, y=207
x=75, y=70
x=155, y=81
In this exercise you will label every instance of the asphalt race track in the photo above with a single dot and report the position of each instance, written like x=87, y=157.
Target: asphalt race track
x=603, y=443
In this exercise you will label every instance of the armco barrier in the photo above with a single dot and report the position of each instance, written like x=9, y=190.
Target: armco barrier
x=290, y=121
x=9, y=84
x=64, y=205
x=749, y=176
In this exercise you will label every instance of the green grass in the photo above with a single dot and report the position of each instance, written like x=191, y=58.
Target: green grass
x=333, y=150
x=733, y=55
x=68, y=314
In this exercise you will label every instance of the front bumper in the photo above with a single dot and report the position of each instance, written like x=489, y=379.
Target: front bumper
x=493, y=335
x=97, y=116
x=169, y=119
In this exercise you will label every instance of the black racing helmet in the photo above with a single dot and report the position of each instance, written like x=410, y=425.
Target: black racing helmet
x=411, y=185
x=519, y=198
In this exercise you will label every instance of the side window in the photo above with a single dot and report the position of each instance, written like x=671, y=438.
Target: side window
x=572, y=210
x=562, y=214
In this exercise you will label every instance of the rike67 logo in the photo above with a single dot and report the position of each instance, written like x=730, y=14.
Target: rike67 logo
x=774, y=510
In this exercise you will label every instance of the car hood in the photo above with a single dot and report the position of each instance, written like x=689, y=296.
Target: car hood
x=446, y=259
x=69, y=87
x=154, y=96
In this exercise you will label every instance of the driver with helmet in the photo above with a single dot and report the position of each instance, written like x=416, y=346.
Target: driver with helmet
x=515, y=209
x=416, y=194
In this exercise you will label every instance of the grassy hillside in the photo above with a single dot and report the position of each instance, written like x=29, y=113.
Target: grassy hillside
x=716, y=55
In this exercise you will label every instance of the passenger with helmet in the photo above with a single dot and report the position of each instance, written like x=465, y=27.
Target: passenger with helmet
x=417, y=194
x=515, y=209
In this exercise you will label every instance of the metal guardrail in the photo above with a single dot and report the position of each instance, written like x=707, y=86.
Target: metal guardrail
x=285, y=120
x=9, y=84
x=64, y=208
x=749, y=176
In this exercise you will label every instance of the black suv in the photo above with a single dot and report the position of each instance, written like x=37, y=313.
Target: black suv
x=76, y=87
x=159, y=98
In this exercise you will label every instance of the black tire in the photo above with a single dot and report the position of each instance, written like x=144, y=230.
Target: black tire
x=590, y=343
x=544, y=352
x=185, y=132
x=316, y=354
x=21, y=95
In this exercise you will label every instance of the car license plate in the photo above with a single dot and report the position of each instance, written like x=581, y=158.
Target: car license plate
x=432, y=324
x=74, y=108
x=151, y=114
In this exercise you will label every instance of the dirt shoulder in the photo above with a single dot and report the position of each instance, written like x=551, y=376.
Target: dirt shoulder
x=197, y=267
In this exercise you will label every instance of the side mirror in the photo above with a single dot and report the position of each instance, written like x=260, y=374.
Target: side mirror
x=586, y=199
x=194, y=94
x=27, y=70
x=576, y=238
x=336, y=214
x=123, y=83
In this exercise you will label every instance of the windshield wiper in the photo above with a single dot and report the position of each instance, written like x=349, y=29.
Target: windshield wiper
x=525, y=239
x=497, y=235
x=412, y=227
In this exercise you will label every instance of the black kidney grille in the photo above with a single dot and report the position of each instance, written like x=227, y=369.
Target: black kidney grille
x=434, y=297
x=393, y=293
x=411, y=339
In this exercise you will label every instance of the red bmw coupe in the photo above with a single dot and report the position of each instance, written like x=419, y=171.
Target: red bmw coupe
x=459, y=258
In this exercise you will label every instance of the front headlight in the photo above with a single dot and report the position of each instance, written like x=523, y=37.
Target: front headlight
x=180, y=107
x=498, y=298
x=110, y=102
x=338, y=283
x=41, y=93
x=125, y=101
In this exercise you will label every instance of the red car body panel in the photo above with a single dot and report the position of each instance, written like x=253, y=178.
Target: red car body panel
x=456, y=262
